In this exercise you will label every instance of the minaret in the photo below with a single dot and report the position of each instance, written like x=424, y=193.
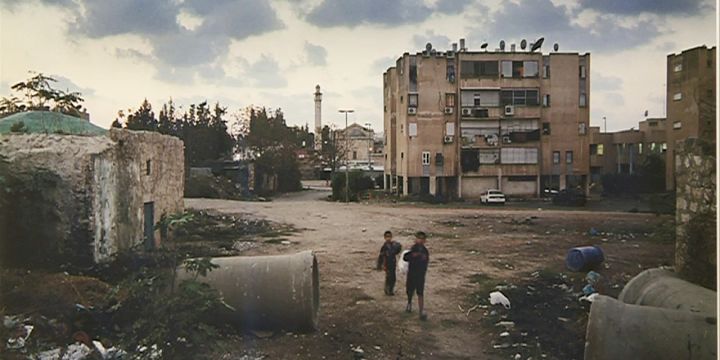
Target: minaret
x=318, y=118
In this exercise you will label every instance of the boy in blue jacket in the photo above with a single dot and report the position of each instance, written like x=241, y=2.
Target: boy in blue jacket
x=418, y=258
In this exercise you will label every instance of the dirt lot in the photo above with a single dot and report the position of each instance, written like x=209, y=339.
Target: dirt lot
x=472, y=252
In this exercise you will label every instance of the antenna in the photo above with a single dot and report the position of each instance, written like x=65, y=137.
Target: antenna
x=556, y=47
x=502, y=45
x=523, y=44
x=537, y=44
x=484, y=46
x=428, y=47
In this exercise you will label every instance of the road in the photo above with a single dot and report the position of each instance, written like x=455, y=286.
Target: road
x=356, y=313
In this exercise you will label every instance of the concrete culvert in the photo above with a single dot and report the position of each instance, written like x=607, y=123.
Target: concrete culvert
x=279, y=292
x=623, y=331
x=663, y=288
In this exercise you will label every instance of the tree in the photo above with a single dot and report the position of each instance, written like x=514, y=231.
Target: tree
x=39, y=94
x=143, y=118
x=333, y=151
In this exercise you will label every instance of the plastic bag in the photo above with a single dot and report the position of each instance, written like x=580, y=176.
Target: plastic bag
x=403, y=265
x=497, y=297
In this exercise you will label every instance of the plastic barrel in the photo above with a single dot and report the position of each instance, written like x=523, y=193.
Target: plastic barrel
x=584, y=258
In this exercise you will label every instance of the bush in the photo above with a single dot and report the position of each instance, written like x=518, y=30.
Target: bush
x=359, y=183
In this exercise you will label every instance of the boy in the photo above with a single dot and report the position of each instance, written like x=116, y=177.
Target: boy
x=388, y=261
x=418, y=258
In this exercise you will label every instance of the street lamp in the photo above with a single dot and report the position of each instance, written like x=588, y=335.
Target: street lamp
x=368, y=125
x=345, y=134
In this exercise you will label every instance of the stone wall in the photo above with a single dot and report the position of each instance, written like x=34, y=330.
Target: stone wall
x=695, y=245
x=95, y=207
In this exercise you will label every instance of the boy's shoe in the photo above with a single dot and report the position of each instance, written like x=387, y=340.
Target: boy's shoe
x=423, y=317
x=408, y=308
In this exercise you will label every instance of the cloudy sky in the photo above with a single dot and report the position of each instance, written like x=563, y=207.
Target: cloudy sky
x=272, y=53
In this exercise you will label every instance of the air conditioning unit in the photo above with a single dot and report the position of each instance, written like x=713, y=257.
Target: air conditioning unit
x=467, y=111
x=509, y=110
x=448, y=110
x=412, y=110
x=448, y=139
x=506, y=139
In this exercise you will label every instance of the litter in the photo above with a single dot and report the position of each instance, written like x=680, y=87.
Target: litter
x=19, y=342
x=593, y=232
x=592, y=277
x=504, y=334
x=77, y=351
x=588, y=289
x=506, y=324
x=497, y=297
x=589, y=298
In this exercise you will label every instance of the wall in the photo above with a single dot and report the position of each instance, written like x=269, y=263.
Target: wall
x=163, y=186
x=473, y=187
x=695, y=216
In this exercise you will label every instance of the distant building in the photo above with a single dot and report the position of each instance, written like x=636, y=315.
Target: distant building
x=460, y=122
x=691, y=100
x=622, y=152
x=360, y=144
x=109, y=188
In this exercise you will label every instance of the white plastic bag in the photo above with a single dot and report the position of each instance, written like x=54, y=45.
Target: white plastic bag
x=403, y=265
x=497, y=297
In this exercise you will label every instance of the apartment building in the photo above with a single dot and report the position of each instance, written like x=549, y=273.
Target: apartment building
x=691, y=101
x=460, y=122
x=622, y=152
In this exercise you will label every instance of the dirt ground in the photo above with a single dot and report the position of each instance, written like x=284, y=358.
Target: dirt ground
x=472, y=251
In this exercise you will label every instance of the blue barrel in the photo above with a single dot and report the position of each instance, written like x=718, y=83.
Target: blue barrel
x=584, y=258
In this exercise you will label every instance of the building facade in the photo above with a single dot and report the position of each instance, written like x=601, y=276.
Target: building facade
x=622, y=152
x=458, y=123
x=358, y=146
x=691, y=101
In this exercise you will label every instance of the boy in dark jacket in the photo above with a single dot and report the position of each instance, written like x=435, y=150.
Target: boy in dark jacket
x=387, y=260
x=417, y=258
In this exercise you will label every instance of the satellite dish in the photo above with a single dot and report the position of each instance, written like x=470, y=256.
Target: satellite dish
x=537, y=44
x=523, y=44
x=428, y=47
x=556, y=47
x=484, y=46
x=502, y=44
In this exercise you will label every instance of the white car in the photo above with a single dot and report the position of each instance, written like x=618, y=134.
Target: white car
x=492, y=197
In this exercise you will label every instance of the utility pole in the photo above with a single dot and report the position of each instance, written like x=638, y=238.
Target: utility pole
x=347, y=147
x=370, y=144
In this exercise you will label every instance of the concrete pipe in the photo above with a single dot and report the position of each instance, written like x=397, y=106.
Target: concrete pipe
x=663, y=288
x=623, y=331
x=279, y=292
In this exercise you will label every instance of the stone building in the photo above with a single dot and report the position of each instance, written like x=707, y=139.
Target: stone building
x=109, y=189
x=691, y=101
x=460, y=122
x=359, y=148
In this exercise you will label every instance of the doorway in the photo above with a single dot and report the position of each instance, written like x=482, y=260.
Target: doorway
x=149, y=225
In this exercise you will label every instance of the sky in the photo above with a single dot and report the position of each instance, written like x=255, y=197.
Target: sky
x=272, y=53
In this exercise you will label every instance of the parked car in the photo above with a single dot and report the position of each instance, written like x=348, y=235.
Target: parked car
x=492, y=197
x=569, y=197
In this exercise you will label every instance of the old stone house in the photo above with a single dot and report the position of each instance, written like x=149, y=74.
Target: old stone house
x=104, y=191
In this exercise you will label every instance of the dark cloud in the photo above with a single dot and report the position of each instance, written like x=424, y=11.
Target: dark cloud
x=351, y=13
x=535, y=18
x=238, y=19
x=188, y=48
x=105, y=18
x=635, y=7
x=265, y=73
x=316, y=54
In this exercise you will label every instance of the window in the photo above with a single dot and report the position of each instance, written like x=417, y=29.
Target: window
x=583, y=100
x=677, y=68
x=677, y=96
x=450, y=100
x=450, y=71
x=402, y=155
x=148, y=167
x=664, y=147
x=412, y=129
x=413, y=74
x=582, y=128
x=450, y=129
x=519, y=155
x=546, y=71
x=519, y=97
x=546, y=100
x=600, y=149
x=546, y=128
x=413, y=100
x=568, y=157
x=556, y=157
x=593, y=149
x=506, y=69
x=582, y=72
x=473, y=69
x=677, y=125
x=426, y=158
x=474, y=98
x=640, y=148
x=354, y=155
x=530, y=69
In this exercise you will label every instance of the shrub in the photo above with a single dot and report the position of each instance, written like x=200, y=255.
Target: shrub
x=359, y=183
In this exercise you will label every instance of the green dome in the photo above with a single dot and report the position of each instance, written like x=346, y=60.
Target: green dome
x=50, y=122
